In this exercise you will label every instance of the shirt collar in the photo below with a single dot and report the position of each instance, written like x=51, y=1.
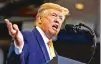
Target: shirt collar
x=46, y=40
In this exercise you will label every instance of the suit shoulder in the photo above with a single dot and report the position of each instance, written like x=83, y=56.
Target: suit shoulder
x=28, y=35
x=26, y=32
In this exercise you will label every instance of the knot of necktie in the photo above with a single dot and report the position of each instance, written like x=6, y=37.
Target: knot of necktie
x=50, y=43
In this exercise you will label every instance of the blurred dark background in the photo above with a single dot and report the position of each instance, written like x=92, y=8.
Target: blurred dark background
x=67, y=44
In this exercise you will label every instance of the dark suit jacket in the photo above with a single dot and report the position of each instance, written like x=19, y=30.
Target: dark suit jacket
x=34, y=51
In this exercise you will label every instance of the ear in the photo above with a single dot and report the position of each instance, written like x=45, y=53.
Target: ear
x=39, y=19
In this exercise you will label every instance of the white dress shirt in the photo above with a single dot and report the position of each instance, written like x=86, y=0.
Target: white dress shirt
x=18, y=50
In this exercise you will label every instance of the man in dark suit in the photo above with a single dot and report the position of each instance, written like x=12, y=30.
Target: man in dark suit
x=36, y=47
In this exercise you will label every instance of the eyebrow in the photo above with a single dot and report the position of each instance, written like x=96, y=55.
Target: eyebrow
x=55, y=14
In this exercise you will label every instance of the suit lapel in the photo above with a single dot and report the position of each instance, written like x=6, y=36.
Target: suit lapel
x=41, y=43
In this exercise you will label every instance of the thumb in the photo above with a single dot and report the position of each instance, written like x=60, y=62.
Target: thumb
x=15, y=27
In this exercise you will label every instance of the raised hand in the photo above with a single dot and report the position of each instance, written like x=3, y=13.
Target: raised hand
x=15, y=33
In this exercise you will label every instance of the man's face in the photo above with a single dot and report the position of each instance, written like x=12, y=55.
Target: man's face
x=51, y=22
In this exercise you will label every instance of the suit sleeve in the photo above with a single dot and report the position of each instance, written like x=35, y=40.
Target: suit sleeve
x=13, y=58
x=18, y=50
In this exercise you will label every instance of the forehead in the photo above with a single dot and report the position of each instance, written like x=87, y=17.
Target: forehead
x=58, y=12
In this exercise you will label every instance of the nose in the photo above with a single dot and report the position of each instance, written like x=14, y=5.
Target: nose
x=56, y=20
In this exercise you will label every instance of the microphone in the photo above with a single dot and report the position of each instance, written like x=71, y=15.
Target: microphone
x=79, y=29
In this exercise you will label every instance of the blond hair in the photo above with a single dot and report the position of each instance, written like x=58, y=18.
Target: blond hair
x=45, y=6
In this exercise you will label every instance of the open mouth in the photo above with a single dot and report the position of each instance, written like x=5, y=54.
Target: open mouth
x=55, y=27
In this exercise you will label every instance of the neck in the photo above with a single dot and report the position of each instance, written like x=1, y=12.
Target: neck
x=49, y=36
x=46, y=34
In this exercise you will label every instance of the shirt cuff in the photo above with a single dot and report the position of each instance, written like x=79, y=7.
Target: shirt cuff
x=18, y=50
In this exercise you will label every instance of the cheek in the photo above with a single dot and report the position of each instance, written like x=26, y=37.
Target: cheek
x=60, y=25
x=48, y=21
x=46, y=25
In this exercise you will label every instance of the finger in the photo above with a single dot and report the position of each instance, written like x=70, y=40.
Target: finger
x=7, y=22
x=9, y=26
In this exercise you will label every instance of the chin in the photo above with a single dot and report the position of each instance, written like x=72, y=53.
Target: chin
x=54, y=34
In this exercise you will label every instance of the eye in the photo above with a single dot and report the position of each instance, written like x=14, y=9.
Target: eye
x=54, y=15
x=61, y=17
